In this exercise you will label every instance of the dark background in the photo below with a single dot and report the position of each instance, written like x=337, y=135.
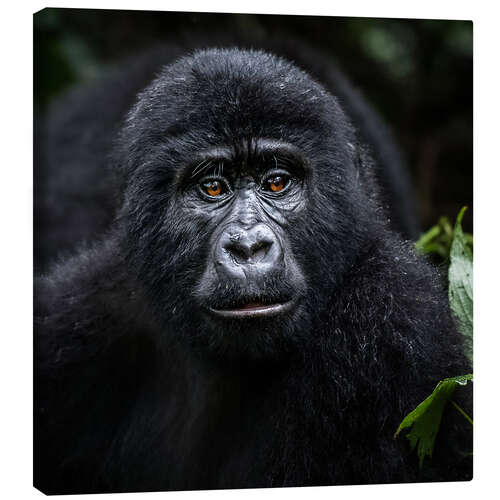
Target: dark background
x=416, y=73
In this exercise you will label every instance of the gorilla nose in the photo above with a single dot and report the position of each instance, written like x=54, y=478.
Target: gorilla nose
x=243, y=251
x=246, y=249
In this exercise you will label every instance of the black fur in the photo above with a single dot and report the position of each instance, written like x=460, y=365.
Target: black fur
x=75, y=199
x=137, y=389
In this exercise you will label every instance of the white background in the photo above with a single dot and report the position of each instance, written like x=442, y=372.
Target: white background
x=16, y=237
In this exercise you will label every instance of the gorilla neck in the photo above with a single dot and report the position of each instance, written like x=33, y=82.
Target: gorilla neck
x=224, y=418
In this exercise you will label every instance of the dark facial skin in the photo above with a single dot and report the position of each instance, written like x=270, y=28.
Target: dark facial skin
x=251, y=203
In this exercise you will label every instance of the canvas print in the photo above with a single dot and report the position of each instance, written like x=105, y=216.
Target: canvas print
x=252, y=252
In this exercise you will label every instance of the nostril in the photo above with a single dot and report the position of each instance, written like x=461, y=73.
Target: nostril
x=243, y=253
x=259, y=249
x=260, y=245
x=239, y=253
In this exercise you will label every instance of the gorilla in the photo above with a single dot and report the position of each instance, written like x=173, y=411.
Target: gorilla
x=250, y=317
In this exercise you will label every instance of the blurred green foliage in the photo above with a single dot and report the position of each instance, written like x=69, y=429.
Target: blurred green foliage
x=61, y=58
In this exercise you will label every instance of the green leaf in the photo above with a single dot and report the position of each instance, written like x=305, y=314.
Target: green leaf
x=427, y=238
x=445, y=225
x=425, y=419
x=439, y=248
x=460, y=283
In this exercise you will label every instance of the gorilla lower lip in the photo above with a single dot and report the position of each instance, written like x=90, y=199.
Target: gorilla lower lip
x=253, y=310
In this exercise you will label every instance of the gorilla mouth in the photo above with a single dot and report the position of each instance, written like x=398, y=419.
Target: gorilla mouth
x=259, y=298
x=253, y=310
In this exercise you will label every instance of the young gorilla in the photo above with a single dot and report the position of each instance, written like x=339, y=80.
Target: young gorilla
x=249, y=320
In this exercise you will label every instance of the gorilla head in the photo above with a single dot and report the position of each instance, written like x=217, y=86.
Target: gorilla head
x=244, y=201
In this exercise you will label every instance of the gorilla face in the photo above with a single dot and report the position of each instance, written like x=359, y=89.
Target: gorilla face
x=243, y=204
x=250, y=272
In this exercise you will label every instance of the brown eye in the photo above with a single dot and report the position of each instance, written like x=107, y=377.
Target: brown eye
x=277, y=183
x=213, y=188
